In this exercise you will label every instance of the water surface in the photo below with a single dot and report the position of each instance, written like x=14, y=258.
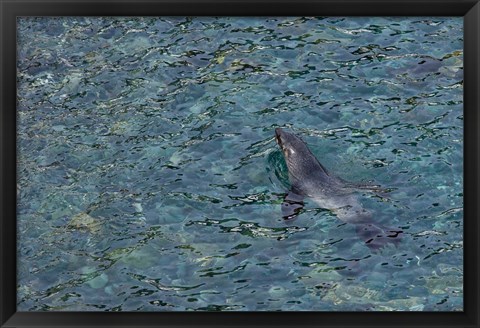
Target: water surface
x=149, y=178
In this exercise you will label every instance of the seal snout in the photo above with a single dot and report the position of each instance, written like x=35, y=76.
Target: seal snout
x=278, y=132
x=278, y=135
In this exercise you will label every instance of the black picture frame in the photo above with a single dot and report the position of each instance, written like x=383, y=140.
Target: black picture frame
x=9, y=10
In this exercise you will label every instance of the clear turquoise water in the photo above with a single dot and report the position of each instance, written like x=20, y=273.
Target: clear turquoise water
x=149, y=178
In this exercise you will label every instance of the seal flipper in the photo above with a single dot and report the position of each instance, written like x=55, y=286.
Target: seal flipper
x=376, y=236
x=292, y=205
x=364, y=186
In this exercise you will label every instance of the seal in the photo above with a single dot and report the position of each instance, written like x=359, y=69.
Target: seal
x=310, y=179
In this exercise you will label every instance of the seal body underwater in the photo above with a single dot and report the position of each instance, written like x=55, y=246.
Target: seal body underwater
x=310, y=179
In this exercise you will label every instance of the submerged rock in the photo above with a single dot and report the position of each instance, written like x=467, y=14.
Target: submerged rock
x=99, y=282
x=84, y=222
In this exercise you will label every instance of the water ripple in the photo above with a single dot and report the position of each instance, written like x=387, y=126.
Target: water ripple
x=149, y=179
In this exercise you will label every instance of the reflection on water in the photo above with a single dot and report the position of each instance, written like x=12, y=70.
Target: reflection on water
x=149, y=178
